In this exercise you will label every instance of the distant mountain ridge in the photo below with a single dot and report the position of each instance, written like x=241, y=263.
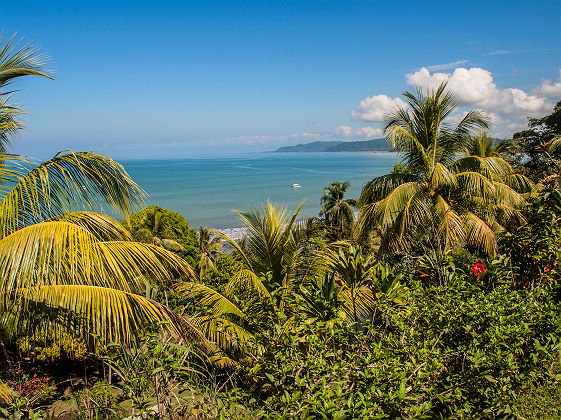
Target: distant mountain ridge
x=373, y=145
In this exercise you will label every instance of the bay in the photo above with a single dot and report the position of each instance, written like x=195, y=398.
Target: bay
x=206, y=189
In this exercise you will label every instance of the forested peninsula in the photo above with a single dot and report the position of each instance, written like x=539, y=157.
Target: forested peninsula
x=373, y=145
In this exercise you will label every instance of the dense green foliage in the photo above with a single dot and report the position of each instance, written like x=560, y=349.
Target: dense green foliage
x=163, y=227
x=443, y=302
x=531, y=146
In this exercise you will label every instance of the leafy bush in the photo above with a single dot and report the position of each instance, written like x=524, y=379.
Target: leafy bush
x=156, y=224
x=459, y=350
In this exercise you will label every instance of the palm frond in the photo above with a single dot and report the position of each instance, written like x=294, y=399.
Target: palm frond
x=68, y=182
x=6, y=394
x=62, y=253
x=102, y=226
x=224, y=333
x=479, y=234
x=91, y=311
x=20, y=60
x=245, y=279
x=217, y=303
x=386, y=211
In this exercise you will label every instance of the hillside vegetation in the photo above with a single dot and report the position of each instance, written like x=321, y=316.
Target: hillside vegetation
x=374, y=145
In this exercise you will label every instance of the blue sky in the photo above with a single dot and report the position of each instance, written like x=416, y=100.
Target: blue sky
x=147, y=79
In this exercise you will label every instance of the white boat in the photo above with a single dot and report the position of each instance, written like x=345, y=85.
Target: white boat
x=296, y=186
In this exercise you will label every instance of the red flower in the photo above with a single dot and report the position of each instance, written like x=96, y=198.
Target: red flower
x=477, y=269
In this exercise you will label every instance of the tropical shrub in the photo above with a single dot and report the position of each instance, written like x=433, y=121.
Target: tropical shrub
x=459, y=350
x=165, y=228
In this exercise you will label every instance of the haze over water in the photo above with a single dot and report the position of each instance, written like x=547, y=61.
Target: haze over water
x=206, y=189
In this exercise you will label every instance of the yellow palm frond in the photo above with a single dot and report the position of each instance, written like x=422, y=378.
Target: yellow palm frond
x=62, y=253
x=224, y=333
x=363, y=299
x=491, y=167
x=479, y=234
x=506, y=194
x=68, y=182
x=476, y=184
x=102, y=226
x=217, y=303
x=519, y=182
x=451, y=227
x=6, y=394
x=441, y=177
x=386, y=211
x=91, y=311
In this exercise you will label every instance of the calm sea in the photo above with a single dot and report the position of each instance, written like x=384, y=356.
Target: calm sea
x=206, y=189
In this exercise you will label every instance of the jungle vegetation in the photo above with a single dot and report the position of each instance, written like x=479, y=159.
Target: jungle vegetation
x=434, y=294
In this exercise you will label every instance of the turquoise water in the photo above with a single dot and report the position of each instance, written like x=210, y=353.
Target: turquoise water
x=206, y=189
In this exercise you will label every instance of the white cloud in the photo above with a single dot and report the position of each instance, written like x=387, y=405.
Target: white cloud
x=376, y=107
x=475, y=87
x=447, y=66
x=363, y=132
x=551, y=90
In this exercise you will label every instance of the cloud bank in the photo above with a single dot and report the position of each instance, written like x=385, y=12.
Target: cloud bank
x=474, y=88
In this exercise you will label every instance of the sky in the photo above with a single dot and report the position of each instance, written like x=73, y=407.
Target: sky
x=150, y=79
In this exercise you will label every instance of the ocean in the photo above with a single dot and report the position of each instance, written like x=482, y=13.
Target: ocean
x=205, y=190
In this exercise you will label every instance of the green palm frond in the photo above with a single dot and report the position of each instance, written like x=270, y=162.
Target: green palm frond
x=217, y=303
x=20, y=60
x=92, y=311
x=226, y=334
x=10, y=124
x=68, y=182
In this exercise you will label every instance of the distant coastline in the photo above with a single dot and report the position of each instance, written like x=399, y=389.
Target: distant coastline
x=373, y=145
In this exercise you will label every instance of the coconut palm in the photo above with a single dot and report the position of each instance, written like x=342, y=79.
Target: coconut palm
x=336, y=210
x=210, y=246
x=270, y=269
x=450, y=196
x=66, y=268
x=483, y=146
x=57, y=255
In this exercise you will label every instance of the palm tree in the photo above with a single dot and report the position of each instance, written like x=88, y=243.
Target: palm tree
x=65, y=268
x=450, y=196
x=336, y=210
x=57, y=255
x=483, y=146
x=210, y=246
x=269, y=270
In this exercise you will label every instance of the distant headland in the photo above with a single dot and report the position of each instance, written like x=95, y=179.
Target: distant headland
x=374, y=145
